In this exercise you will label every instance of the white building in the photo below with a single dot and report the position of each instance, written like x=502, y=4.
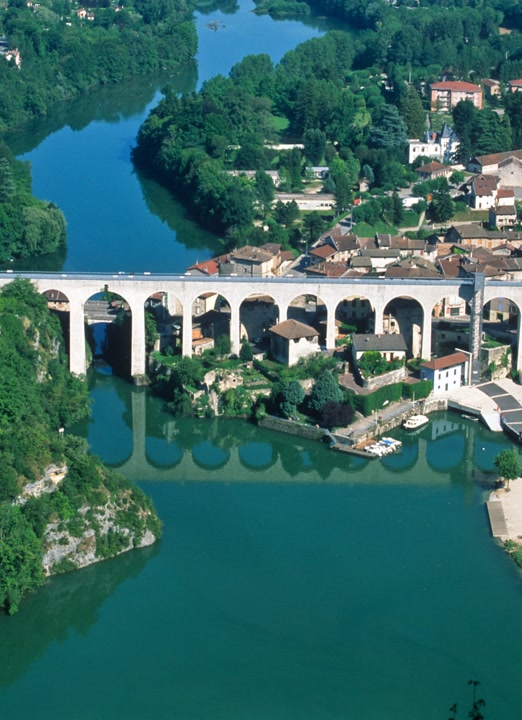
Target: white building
x=292, y=340
x=437, y=145
x=446, y=373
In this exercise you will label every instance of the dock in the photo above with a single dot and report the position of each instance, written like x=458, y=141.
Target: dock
x=497, y=519
x=505, y=511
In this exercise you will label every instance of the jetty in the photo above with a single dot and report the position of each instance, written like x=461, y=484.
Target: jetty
x=505, y=511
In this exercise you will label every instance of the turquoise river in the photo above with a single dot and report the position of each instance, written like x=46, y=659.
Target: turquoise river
x=292, y=583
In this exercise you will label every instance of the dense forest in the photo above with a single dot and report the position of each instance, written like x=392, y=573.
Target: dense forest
x=38, y=396
x=64, y=51
x=28, y=226
x=351, y=99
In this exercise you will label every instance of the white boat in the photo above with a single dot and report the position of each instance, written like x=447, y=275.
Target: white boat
x=415, y=421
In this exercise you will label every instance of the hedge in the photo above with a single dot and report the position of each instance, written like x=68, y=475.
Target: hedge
x=366, y=404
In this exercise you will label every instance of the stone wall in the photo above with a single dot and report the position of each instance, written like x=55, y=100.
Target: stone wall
x=379, y=381
x=495, y=355
x=292, y=428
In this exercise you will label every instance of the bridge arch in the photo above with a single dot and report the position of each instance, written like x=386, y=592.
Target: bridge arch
x=257, y=314
x=406, y=315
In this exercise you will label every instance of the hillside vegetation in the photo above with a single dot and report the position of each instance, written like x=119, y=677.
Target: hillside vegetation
x=64, y=52
x=90, y=514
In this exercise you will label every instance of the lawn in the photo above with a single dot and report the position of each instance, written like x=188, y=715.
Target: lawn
x=362, y=229
x=410, y=219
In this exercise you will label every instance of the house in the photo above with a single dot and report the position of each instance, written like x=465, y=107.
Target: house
x=514, y=85
x=489, y=164
x=447, y=373
x=439, y=145
x=433, y=170
x=502, y=216
x=204, y=303
x=206, y=268
x=391, y=347
x=248, y=260
x=292, y=340
x=335, y=247
x=477, y=235
x=483, y=191
x=320, y=172
x=491, y=87
x=327, y=269
x=445, y=95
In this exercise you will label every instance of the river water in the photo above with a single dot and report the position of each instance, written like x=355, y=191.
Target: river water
x=291, y=582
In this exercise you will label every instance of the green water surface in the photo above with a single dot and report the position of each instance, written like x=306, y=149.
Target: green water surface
x=291, y=582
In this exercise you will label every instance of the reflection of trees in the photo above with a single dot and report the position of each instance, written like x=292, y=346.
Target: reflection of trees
x=227, y=7
x=170, y=211
x=108, y=104
x=68, y=602
x=52, y=262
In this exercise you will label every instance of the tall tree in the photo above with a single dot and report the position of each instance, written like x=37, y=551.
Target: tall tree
x=412, y=113
x=314, y=146
x=508, y=465
x=325, y=389
x=389, y=132
x=264, y=189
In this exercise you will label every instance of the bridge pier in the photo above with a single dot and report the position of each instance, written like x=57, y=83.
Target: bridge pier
x=235, y=340
x=475, y=331
x=77, y=359
x=186, y=331
x=138, y=339
x=426, y=334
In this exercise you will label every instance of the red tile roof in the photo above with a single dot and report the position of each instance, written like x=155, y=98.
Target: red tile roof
x=456, y=86
x=447, y=361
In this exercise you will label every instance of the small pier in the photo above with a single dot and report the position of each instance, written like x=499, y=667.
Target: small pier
x=497, y=519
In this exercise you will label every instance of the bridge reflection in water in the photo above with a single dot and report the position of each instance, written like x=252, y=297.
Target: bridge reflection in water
x=449, y=450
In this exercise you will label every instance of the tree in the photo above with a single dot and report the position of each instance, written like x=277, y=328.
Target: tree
x=20, y=558
x=336, y=414
x=390, y=131
x=264, y=189
x=314, y=146
x=314, y=225
x=508, y=465
x=325, y=389
x=412, y=113
x=223, y=345
x=293, y=395
x=151, y=330
x=245, y=352
x=442, y=206
x=286, y=213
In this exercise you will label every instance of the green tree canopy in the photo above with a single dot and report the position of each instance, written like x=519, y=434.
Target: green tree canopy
x=508, y=465
x=292, y=396
x=325, y=389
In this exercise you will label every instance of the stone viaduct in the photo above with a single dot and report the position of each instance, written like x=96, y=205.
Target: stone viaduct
x=183, y=290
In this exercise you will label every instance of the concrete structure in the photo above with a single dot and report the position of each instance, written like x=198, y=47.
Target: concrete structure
x=445, y=95
x=447, y=373
x=292, y=340
x=308, y=201
x=183, y=290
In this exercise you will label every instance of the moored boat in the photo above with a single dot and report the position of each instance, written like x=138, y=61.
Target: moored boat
x=415, y=421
